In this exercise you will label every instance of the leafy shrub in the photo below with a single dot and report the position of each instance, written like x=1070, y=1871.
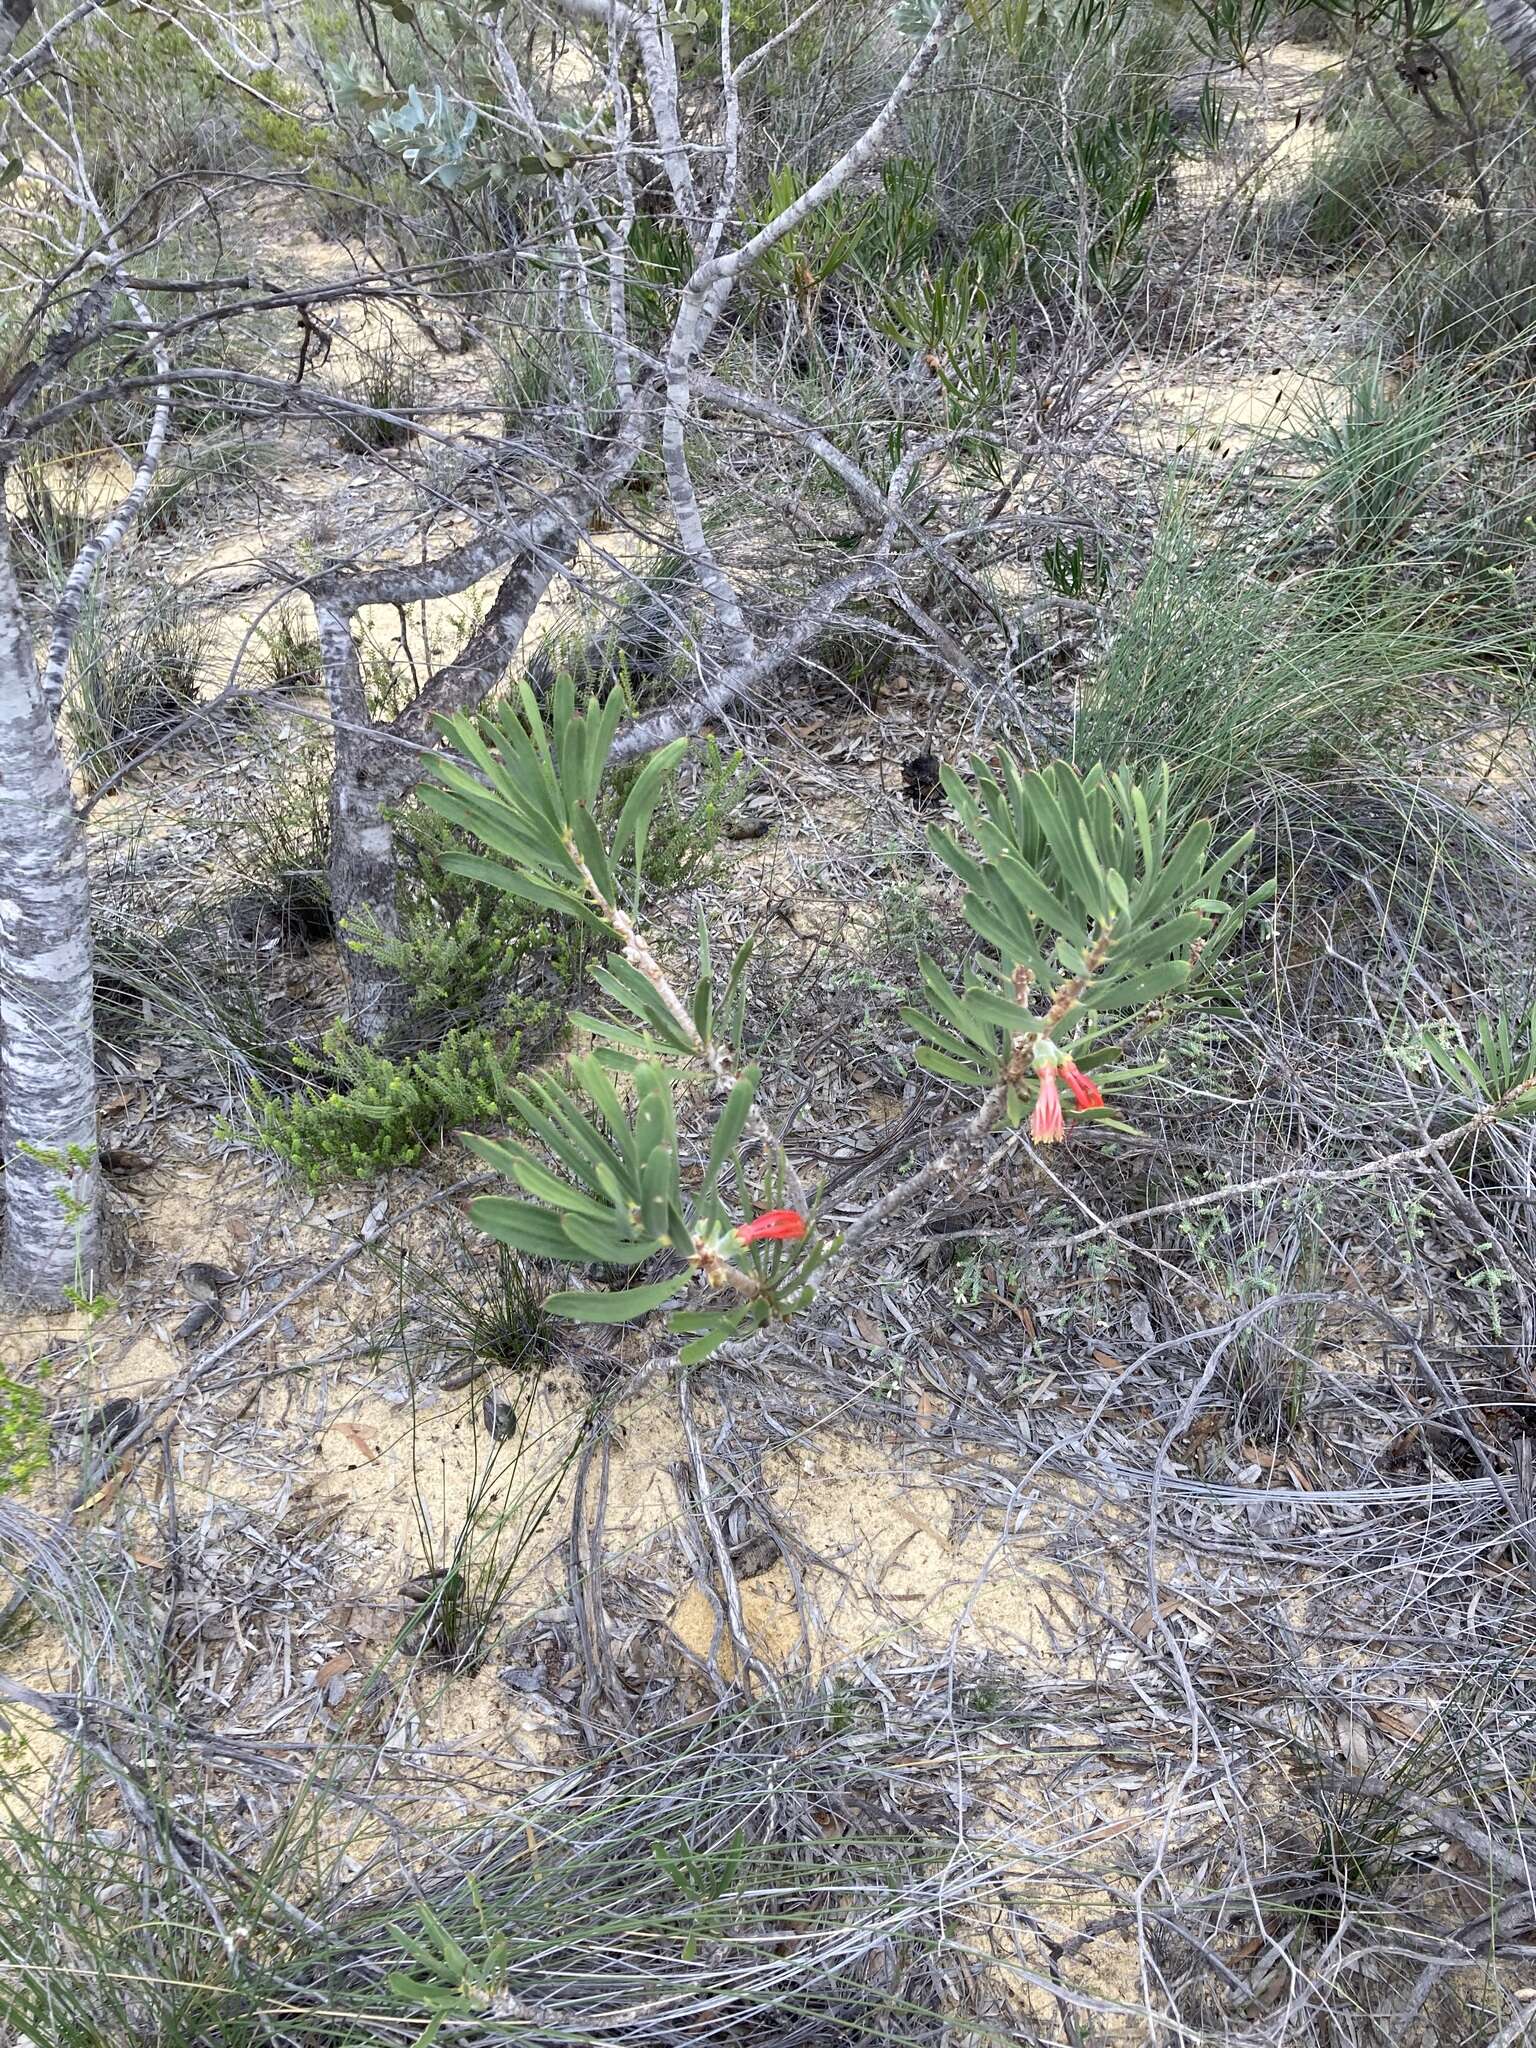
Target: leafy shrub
x=480, y=963
x=280, y=131
x=359, y=1111
x=23, y=1434
x=1087, y=895
x=488, y=978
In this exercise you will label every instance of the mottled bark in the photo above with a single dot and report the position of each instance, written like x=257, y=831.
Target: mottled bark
x=47, y=1046
x=14, y=16
x=377, y=765
x=362, y=863
x=1514, y=23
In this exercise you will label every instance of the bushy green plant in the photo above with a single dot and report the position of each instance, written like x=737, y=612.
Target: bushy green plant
x=23, y=1434
x=1099, y=76
x=360, y=1111
x=468, y=954
x=1122, y=164
x=1088, y=901
x=280, y=130
x=487, y=961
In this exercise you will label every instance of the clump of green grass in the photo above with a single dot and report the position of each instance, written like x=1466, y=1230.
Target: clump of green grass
x=133, y=686
x=389, y=389
x=47, y=532
x=1373, y=464
x=277, y=841
x=1232, y=675
x=185, y=484
x=479, y=1308
x=550, y=377
x=1370, y=181
x=290, y=652
x=642, y=644
x=473, y=1562
x=762, y=1876
x=1470, y=299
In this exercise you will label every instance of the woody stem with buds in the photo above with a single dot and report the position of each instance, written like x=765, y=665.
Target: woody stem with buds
x=637, y=951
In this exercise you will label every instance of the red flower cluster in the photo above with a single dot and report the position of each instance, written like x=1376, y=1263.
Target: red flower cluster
x=773, y=1223
x=1047, y=1125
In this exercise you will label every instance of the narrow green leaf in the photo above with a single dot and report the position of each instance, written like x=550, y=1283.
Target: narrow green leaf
x=729, y=1125
x=629, y=1302
x=523, y=1225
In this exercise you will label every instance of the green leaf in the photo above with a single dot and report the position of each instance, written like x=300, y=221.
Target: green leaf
x=546, y=895
x=524, y=1225
x=934, y=1062
x=596, y=1307
x=729, y=1125
x=548, y=1187
x=589, y=843
x=644, y=795
x=1137, y=989
x=592, y=1245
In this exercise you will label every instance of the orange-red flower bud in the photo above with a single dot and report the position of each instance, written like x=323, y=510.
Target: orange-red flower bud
x=773, y=1223
x=1085, y=1093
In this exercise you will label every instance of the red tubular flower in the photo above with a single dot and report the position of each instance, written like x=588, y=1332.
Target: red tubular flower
x=1046, y=1125
x=773, y=1223
x=1085, y=1093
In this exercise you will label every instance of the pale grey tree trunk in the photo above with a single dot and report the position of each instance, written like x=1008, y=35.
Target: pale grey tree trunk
x=376, y=765
x=1514, y=23
x=47, y=1047
x=362, y=868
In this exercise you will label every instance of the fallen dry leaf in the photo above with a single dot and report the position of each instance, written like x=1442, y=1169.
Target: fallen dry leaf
x=330, y=1679
x=355, y=1437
